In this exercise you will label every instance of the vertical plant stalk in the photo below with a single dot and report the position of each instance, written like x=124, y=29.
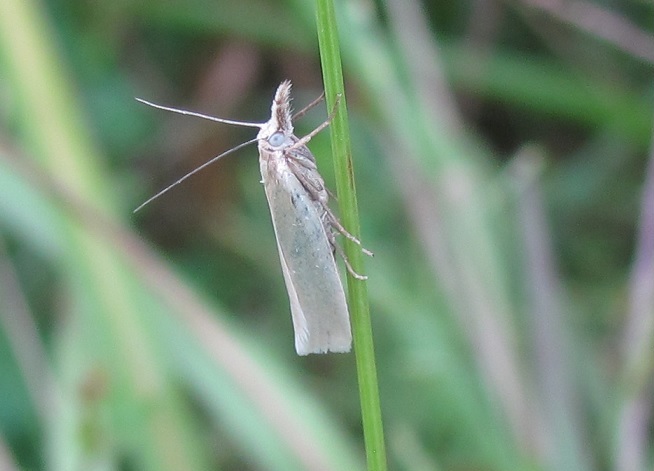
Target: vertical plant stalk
x=357, y=290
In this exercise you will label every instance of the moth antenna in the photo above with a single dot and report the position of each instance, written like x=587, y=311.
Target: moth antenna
x=200, y=115
x=194, y=171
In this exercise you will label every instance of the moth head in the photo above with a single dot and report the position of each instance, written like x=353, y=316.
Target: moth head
x=278, y=139
x=281, y=112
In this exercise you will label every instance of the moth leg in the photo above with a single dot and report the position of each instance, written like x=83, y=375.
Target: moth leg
x=339, y=249
x=303, y=111
x=336, y=224
x=323, y=125
x=332, y=219
x=331, y=195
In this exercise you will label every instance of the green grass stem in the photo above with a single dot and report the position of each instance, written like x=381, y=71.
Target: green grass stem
x=357, y=289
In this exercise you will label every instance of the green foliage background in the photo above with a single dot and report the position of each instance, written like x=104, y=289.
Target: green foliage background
x=503, y=170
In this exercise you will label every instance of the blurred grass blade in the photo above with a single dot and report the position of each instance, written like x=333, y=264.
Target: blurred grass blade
x=118, y=393
x=266, y=410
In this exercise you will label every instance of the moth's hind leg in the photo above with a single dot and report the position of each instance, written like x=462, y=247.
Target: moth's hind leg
x=337, y=248
x=329, y=219
x=333, y=221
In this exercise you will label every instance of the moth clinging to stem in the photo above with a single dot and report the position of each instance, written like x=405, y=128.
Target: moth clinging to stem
x=305, y=227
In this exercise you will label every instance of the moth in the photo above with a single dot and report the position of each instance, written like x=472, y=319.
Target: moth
x=305, y=227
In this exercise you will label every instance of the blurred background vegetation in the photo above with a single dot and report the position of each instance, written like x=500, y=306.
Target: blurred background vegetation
x=502, y=155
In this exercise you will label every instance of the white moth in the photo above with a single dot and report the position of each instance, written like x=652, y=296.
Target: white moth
x=304, y=225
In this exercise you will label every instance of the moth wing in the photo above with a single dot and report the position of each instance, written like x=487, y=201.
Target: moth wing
x=318, y=307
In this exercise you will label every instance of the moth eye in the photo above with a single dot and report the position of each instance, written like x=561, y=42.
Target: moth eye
x=276, y=139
